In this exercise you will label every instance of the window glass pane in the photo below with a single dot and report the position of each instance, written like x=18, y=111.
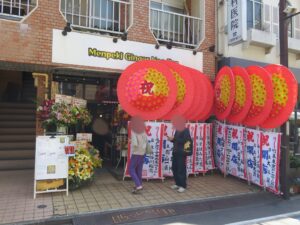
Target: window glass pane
x=155, y=5
x=249, y=14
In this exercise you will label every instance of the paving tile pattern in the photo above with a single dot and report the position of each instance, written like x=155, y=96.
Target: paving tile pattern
x=105, y=193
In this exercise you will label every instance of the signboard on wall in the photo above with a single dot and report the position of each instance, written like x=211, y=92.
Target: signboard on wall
x=237, y=23
x=93, y=50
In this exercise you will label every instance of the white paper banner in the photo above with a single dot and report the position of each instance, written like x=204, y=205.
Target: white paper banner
x=167, y=150
x=235, y=163
x=270, y=143
x=253, y=156
x=190, y=160
x=220, y=145
x=210, y=162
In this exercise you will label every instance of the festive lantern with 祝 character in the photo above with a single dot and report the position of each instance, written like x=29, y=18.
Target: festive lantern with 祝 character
x=147, y=88
x=185, y=89
x=243, y=95
x=224, y=93
x=262, y=96
x=285, y=91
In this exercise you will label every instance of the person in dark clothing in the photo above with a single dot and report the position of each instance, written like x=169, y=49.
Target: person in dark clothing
x=181, y=136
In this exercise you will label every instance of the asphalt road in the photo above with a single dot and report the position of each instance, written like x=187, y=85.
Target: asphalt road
x=277, y=212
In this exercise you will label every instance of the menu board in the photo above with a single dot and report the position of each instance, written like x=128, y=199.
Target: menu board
x=51, y=160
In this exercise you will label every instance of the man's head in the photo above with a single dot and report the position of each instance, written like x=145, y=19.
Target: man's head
x=178, y=122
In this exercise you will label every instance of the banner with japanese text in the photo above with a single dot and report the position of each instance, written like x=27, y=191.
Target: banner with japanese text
x=253, y=156
x=220, y=145
x=167, y=149
x=270, y=143
x=210, y=162
x=190, y=160
x=235, y=158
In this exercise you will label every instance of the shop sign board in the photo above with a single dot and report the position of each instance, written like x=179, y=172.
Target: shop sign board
x=51, y=159
x=237, y=23
x=98, y=51
x=84, y=137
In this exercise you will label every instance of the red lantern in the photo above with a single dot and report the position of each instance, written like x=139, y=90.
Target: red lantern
x=185, y=89
x=224, y=93
x=147, y=88
x=285, y=89
x=262, y=96
x=243, y=95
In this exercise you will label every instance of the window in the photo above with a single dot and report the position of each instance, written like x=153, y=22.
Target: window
x=16, y=9
x=104, y=15
x=254, y=14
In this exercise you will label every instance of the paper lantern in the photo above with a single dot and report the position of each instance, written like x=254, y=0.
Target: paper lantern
x=224, y=93
x=243, y=95
x=285, y=90
x=200, y=95
x=262, y=96
x=185, y=89
x=147, y=88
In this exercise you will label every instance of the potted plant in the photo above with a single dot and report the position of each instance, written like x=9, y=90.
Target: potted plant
x=294, y=174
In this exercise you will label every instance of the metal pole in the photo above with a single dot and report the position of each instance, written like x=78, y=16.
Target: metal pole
x=283, y=40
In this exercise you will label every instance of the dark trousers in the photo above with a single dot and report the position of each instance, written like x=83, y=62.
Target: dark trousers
x=179, y=170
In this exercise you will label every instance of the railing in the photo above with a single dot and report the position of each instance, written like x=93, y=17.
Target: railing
x=108, y=16
x=178, y=28
x=16, y=9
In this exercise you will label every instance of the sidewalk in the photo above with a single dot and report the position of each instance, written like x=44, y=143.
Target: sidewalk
x=106, y=193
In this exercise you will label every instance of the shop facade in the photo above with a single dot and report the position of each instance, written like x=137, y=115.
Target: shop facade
x=79, y=48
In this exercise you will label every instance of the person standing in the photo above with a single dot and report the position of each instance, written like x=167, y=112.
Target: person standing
x=139, y=145
x=181, y=137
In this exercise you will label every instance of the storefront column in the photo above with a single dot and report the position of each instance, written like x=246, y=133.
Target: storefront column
x=41, y=84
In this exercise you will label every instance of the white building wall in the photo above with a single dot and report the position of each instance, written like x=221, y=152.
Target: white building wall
x=251, y=52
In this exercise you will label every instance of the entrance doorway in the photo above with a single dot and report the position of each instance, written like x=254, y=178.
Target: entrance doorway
x=102, y=103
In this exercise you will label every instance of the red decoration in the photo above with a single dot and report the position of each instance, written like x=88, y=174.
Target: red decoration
x=262, y=96
x=185, y=89
x=285, y=89
x=224, y=93
x=200, y=96
x=243, y=95
x=147, y=88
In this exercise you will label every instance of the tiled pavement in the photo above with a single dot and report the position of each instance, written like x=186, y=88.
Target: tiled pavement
x=106, y=193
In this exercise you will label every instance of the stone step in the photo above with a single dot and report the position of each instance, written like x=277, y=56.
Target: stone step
x=16, y=154
x=17, y=138
x=17, y=111
x=17, y=105
x=20, y=164
x=17, y=124
x=9, y=117
x=17, y=131
x=17, y=145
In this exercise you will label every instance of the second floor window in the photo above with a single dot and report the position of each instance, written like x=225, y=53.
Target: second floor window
x=254, y=14
x=103, y=15
x=16, y=9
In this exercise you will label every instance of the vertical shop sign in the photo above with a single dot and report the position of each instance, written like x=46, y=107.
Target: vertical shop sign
x=253, y=156
x=235, y=163
x=190, y=160
x=220, y=145
x=167, y=149
x=270, y=143
x=210, y=162
x=199, y=148
x=237, y=24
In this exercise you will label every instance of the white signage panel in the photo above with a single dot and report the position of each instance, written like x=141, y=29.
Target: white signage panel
x=97, y=51
x=237, y=21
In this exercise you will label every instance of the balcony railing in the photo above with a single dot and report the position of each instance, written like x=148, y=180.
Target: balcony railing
x=16, y=9
x=177, y=28
x=107, y=16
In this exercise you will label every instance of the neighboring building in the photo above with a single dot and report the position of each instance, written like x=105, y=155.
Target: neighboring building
x=248, y=33
x=80, y=58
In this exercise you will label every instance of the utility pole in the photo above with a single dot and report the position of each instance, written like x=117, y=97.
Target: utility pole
x=284, y=164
